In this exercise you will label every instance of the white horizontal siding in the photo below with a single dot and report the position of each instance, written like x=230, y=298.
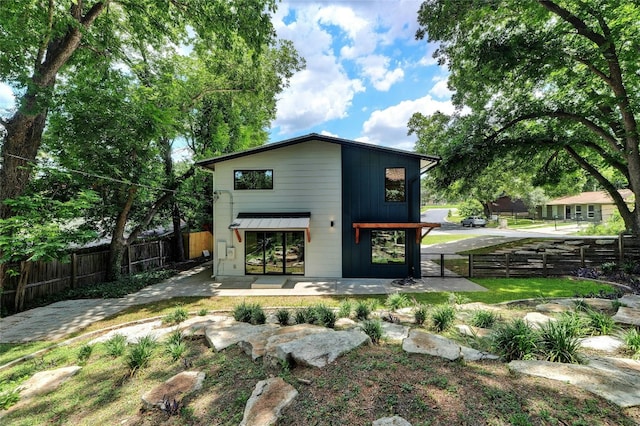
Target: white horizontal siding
x=306, y=178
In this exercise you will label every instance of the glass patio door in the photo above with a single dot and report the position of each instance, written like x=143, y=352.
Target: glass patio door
x=274, y=252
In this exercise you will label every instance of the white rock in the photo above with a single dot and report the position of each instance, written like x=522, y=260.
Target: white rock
x=421, y=342
x=320, y=349
x=395, y=332
x=46, y=381
x=267, y=400
x=602, y=343
x=626, y=315
x=173, y=389
x=391, y=421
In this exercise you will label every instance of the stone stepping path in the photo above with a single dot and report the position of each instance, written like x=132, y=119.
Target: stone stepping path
x=173, y=390
x=267, y=400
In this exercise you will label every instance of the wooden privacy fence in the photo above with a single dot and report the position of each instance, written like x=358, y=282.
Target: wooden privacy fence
x=196, y=242
x=84, y=269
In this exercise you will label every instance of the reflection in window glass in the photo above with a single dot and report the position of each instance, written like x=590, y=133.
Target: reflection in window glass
x=388, y=247
x=394, y=187
x=253, y=179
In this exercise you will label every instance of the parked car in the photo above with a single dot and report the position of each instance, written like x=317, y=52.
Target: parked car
x=473, y=221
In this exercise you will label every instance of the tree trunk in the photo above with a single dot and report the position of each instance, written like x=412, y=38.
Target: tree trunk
x=25, y=271
x=118, y=242
x=178, y=245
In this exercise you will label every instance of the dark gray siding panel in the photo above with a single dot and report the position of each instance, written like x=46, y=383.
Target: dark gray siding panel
x=363, y=201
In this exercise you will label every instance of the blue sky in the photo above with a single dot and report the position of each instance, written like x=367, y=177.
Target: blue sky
x=365, y=76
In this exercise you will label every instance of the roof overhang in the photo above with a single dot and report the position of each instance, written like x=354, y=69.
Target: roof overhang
x=395, y=225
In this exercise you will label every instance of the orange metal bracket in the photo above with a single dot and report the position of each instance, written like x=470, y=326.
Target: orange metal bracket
x=396, y=225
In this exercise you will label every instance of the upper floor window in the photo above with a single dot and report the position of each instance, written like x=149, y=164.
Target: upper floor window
x=394, y=184
x=253, y=179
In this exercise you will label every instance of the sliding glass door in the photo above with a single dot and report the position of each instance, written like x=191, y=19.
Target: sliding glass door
x=274, y=252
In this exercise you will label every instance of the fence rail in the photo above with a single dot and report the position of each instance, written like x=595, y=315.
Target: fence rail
x=588, y=253
x=84, y=269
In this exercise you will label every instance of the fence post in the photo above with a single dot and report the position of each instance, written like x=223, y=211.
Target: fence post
x=506, y=258
x=582, y=262
x=160, y=251
x=621, y=246
x=74, y=270
x=129, y=258
x=442, y=265
x=470, y=266
x=544, y=265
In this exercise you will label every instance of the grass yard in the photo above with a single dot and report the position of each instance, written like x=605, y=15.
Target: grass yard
x=445, y=238
x=366, y=384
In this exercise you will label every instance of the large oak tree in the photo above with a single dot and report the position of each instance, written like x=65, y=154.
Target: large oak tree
x=553, y=80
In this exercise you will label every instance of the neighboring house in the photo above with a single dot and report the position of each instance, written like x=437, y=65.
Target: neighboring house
x=593, y=206
x=508, y=206
x=318, y=206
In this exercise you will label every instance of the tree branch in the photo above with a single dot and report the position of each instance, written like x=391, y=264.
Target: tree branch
x=608, y=186
x=576, y=22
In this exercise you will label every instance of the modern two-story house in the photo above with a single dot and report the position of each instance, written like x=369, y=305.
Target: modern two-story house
x=318, y=206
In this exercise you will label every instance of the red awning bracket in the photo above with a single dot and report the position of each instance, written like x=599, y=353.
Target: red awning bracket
x=395, y=225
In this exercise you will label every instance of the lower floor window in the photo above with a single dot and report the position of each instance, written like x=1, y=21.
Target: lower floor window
x=276, y=252
x=388, y=247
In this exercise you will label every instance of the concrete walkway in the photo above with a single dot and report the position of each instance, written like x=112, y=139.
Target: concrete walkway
x=58, y=320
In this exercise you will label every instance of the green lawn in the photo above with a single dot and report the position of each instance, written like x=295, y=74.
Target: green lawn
x=440, y=239
x=438, y=206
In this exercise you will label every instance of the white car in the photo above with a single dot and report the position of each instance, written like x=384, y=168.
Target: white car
x=473, y=221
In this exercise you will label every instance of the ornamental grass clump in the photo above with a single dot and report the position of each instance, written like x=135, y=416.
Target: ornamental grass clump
x=396, y=301
x=140, y=353
x=558, y=343
x=283, y=316
x=632, y=341
x=576, y=324
x=344, y=311
x=178, y=315
x=600, y=323
x=442, y=317
x=116, y=345
x=515, y=340
x=420, y=314
x=175, y=345
x=483, y=318
x=363, y=310
x=251, y=313
x=84, y=353
x=373, y=329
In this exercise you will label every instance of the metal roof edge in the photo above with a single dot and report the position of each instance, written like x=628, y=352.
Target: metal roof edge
x=308, y=138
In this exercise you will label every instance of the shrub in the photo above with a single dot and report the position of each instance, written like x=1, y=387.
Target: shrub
x=515, y=340
x=581, y=306
x=373, y=329
x=471, y=208
x=558, y=343
x=600, y=323
x=302, y=315
x=632, y=341
x=116, y=345
x=177, y=316
x=363, y=310
x=420, y=314
x=140, y=353
x=345, y=309
x=484, y=319
x=442, y=317
x=396, y=301
x=282, y=316
x=608, y=268
x=457, y=299
x=202, y=312
x=84, y=353
x=630, y=267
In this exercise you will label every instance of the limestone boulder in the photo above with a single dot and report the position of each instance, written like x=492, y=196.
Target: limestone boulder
x=627, y=315
x=46, y=381
x=421, y=342
x=320, y=349
x=608, y=344
x=345, y=324
x=555, y=308
x=173, y=389
x=272, y=354
x=470, y=354
x=468, y=330
x=391, y=421
x=630, y=300
x=536, y=319
x=395, y=332
x=614, y=379
x=222, y=335
x=267, y=400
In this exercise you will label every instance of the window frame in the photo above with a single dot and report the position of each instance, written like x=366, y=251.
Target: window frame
x=235, y=179
x=388, y=199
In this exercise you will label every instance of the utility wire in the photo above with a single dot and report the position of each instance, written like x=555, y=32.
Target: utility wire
x=65, y=169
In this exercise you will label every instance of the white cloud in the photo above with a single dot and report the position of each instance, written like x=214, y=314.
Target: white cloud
x=376, y=68
x=440, y=90
x=7, y=98
x=389, y=126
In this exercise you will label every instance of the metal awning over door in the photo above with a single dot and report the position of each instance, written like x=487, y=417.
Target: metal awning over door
x=271, y=221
